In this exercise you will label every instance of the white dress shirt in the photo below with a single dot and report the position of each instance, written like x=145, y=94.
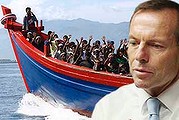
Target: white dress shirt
x=129, y=103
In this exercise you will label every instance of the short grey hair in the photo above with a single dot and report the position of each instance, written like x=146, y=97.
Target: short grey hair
x=159, y=5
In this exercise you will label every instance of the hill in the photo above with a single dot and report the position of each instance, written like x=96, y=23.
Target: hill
x=7, y=61
x=77, y=28
x=81, y=27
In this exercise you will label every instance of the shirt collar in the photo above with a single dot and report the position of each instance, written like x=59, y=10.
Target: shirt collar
x=170, y=96
x=143, y=96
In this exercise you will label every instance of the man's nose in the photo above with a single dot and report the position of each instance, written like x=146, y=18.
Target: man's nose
x=142, y=54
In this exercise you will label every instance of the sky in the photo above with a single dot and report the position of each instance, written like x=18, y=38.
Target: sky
x=104, y=11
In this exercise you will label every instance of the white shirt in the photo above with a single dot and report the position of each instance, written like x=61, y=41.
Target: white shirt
x=129, y=103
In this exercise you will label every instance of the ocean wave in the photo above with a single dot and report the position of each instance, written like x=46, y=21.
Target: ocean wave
x=32, y=105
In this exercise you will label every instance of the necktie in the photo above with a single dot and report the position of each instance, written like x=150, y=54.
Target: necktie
x=153, y=105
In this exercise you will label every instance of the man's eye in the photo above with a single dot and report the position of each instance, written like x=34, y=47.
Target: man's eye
x=133, y=43
x=157, y=46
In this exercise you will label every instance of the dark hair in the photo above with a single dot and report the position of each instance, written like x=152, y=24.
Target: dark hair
x=159, y=5
x=55, y=35
x=112, y=42
x=27, y=8
x=97, y=42
x=49, y=32
x=85, y=42
x=65, y=37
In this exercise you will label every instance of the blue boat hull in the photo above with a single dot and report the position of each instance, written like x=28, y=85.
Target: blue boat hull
x=75, y=93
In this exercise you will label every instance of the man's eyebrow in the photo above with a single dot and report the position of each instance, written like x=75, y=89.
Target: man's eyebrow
x=158, y=42
x=132, y=36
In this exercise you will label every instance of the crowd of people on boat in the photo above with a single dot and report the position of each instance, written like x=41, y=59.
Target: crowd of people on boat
x=99, y=56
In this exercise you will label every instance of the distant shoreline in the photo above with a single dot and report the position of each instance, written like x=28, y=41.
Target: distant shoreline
x=7, y=61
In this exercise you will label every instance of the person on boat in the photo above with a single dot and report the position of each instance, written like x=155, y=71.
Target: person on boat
x=153, y=53
x=80, y=51
x=34, y=34
x=59, y=51
x=51, y=41
x=29, y=21
x=47, y=45
x=86, y=54
x=38, y=43
x=74, y=52
x=107, y=48
x=63, y=57
x=65, y=39
x=55, y=36
x=51, y=36
x=68, y=46
x=123, y=65
x=104, y=40
x=97, y=60
x=111, y=64
x=54, y=45
x=77, y=54
x=104, y=48
x=29, y=37
x=64, y=49
x=70, y=51
x=124, y=46
x=49, y=33
x=110, y=47
x=97, y=44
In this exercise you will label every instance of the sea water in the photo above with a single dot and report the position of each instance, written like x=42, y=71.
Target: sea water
x=16, y=104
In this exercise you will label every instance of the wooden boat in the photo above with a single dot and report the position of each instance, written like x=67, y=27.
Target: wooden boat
x=77, y=88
